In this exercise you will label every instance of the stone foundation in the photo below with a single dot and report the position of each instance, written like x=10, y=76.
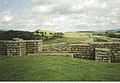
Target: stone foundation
x=103, y=55
x=88, y=51
x=99, y=51
x=20, y=47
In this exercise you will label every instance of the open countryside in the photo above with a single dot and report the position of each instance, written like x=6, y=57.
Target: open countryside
x=60, y=40
x=54, y=65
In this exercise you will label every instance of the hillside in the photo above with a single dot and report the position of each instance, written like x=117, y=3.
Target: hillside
x=56, y=68
x=26, y=35
x=72, y=37
x=47, y=33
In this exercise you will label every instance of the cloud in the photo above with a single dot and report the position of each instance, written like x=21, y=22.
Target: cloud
x=43, y=8
x=7, y=18
x=63, y=15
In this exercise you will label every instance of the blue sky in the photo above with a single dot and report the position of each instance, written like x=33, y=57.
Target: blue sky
x=14, y=5
x=59, y=15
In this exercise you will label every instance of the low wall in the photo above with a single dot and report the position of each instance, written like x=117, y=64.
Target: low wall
x=103, y=55
x=33, y=46
x=61, y=47
x=83, y=51
x=20, y=47
x=113, y=46
x=86, y=51
x=101, y=39
x=11, y=48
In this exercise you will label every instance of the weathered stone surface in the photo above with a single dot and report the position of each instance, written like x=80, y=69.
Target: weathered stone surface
x=20, y=47
x=87, y=51
x=103, y=55
x=99, y=51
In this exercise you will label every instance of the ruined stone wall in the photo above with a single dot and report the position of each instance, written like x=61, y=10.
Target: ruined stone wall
x=101, y=39
x=103, y=55
x=61, y=47
x=16, y=48
x=113, y=46
x=89, y=51
x=86, y=51
x=11, y=48
x=3, y=48
x=83, y=51
x=22, y=47
x=33, y=46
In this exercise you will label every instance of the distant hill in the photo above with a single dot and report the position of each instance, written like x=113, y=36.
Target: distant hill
x=1, y=31
x=114, y=30
x=85, y=31
x=48, y=34
x=44, y=32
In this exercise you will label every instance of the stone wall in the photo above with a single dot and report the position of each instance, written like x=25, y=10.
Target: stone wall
x=19, y=47
x=113, y=46
x=103, y=55
x=12, y=48
x=102, y=39
x=90, y=51
x=33, y=46
x=60, y=47
x=83, y=51
x=86, y=51
x=3, y=50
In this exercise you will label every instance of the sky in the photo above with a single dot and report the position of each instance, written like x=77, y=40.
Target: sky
x=59, y=15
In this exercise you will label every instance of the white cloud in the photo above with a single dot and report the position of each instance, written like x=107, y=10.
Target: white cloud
x=43, y=8
x=65, y=15
x=88, y=5
x=7, y=18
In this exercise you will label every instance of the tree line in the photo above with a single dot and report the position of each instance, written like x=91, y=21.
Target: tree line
x=26, y=35
x=111, y=34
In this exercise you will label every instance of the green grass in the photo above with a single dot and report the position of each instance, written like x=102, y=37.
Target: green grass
x=72, y=37
x=75, y=34
x=64, y=40
x=56, y=68
x=69, y=38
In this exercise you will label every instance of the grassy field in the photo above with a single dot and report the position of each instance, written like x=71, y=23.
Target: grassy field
x=81, y=35
x=72, y=37
x=56, y=68
x=69, y=38
x=65, y=40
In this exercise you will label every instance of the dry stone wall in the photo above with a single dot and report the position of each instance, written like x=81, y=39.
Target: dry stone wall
x=101, y=39
x=3, y=48
x=61, y=47
x=103, y=55
x=100, y=51
x=88, y=51
x=113, y=46
x=16, y=48
x=83, y=51
x=20, y=47
x=33, y=46
x=12, y=48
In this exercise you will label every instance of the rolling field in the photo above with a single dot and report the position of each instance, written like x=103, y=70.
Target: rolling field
x=56, y=68
x=75, y=34
x=72, y=37
x=65, y=40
